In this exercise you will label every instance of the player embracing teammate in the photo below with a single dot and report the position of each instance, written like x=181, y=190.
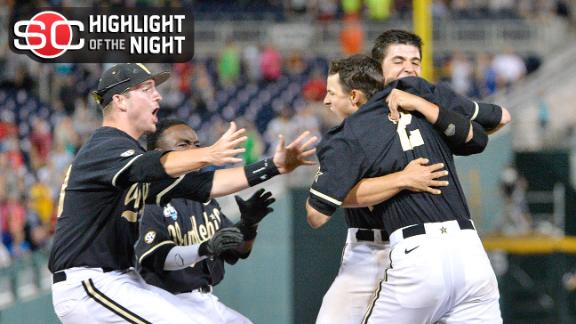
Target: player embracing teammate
x=436, y=268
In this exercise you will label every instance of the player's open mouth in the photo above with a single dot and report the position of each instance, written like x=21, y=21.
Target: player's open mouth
x=155, y=115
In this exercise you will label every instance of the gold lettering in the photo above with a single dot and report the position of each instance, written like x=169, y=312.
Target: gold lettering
x=63, y=192
x=216, y=213
x=133, y=195
x=145, y=191
x=193, y=233
x=130, y=216
x=199, y=232
x=209, y=226
x=203, y=234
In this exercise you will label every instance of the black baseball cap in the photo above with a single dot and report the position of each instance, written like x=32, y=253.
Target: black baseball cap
x=122, y=77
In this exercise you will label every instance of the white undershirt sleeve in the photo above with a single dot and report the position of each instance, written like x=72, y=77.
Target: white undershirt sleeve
x=180, y=257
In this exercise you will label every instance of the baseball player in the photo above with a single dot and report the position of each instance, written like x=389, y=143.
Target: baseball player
x=410, y=292
x=183, y=244
x=366, y=250
x=104, y=193
x=399, y=52
x=365, y=253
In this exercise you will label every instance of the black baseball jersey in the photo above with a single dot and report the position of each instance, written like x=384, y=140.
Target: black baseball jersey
x=102, y=199
x=180, y=222
x=367, y=144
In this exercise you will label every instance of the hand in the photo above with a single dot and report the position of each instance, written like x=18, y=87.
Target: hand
x=288, y=158
x=226, y=148
x=404, y=100
x=224, y=239
x=420, y=177
x=255, y=208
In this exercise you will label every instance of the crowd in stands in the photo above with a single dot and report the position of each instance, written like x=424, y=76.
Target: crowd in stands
x=46, y=112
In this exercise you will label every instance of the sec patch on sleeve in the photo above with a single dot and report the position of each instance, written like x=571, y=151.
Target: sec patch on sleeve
x=149, y=237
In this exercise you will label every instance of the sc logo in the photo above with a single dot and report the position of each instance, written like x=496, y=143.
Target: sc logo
x=48, y=34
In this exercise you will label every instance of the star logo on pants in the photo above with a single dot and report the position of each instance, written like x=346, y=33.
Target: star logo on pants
x=443, y=230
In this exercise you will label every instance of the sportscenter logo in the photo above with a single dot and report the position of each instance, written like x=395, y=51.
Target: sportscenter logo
x=48, y=34
x=99, y=35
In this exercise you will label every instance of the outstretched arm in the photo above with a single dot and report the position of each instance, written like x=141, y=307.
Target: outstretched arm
x=177, y=163
x=286, y=159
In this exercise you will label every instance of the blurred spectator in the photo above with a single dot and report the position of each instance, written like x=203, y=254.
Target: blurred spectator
x=229, y=64
x=440, y=9
x=41, y=199
x=378, y=9
x=11, y=158
x=7, y=126
x=563, y=10
x=297, y=7
x=65, y=135
x=85, y=120
x=461, y=75
x=307, y=120
x=295, y=64
x=183, y=73
x=326, y=10
x=202, y=84
x=13, y=217
x=351, y=8
x=502, y=8
x=171, y=96
x=352, y=36
x=509, y=67
x=41, y=142
x=5, y=259
x=68, y=94
x=485, y=75
x=283, y=124
x=315, y=88
x=36, y=233
x=517, y=219
x=270, y=63
x=543, y=113
x=251, y=59
x=254, y=145
x=403, y=8
x=21, y=80
x=532, y=62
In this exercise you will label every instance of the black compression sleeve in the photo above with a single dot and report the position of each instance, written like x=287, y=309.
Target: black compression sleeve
x=476, y=145
x=260, y=171
x=453, y=126
x=489, y=115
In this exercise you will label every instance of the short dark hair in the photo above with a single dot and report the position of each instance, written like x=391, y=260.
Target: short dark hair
x=152, y=139
x=394, y=36
x=359, y=72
